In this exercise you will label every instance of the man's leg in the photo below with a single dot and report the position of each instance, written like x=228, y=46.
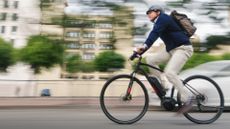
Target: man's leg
x=179, y=57
x=155, y=59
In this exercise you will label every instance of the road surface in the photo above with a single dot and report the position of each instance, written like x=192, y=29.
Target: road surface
x=88, y=118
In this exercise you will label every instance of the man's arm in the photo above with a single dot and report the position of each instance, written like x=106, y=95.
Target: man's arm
x=158, y=29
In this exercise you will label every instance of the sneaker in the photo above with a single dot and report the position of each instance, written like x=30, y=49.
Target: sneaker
x=186, y=106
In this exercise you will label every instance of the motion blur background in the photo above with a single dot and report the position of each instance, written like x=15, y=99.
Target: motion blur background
x=68, y=48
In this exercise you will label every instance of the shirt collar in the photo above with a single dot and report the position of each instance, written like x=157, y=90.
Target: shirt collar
x=155, y=20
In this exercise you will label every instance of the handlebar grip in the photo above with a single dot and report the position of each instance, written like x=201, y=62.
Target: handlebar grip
x=133, y=56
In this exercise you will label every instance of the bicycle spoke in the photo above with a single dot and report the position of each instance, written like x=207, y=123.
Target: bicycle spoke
x=124, y=99
x=192, y=90
x=209, y=102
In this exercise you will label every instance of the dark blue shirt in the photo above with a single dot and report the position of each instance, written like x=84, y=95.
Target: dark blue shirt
x=168, y=30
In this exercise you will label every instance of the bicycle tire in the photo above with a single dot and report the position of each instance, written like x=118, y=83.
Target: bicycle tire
x=108, y=112
x=207, y=110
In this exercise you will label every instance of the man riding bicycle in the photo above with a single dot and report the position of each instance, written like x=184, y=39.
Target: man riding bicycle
x=178, y=51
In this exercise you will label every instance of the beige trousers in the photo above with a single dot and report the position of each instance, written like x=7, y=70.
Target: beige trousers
x=175, y=60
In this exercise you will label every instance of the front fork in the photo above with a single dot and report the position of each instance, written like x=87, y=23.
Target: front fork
x=128, y=95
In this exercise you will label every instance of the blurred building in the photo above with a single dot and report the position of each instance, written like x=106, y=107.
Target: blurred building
x=87, y=29
x=18, y=20
x=229, y=14
x=52, y=14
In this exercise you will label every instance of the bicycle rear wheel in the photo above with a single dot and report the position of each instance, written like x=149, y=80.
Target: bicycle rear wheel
x=208, y=102
x=120, y=107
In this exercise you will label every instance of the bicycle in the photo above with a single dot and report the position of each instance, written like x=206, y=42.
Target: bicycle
x=124, y=98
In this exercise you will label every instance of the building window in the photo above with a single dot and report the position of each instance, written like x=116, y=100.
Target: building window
x=88, y=46
x=105, y=35
x=15, y=17
x=89, y=24
x=106, y=46
x=73, y=34
x=3, y=16
x=6, y=4
x=89, y=35
x=88, y=56
x=14, y=29
x=73, y=45
x=3, y=29
x=104, y=25
x=15, y=4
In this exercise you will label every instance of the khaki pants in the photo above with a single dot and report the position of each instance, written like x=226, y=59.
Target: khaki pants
x=176, y=59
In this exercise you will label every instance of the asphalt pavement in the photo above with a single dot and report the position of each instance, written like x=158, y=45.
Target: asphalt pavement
x=93, y=118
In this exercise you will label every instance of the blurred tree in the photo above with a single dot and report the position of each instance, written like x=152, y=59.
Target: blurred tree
x=109, y=60
x=87, y=66
x=73, y=63
x=186, y=1
x=6, y=55
x=199, y=58
x=226, y=56
x=213, y=40
x=76, y=64
x=42, y=52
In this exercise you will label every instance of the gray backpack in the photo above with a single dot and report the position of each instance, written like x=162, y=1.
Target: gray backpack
x=184, y=22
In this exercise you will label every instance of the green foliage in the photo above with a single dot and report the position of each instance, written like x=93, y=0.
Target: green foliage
x=109, y=60
x=213, y=40
x=226, y=56
x=76, y=64
x=199, y=58
x=73, y=63
x=57, y=20
x=6, y=55
x=45, y=1
x=42, y=52
x=87, y=67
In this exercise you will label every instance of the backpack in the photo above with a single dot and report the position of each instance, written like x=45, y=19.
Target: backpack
x=184, y=22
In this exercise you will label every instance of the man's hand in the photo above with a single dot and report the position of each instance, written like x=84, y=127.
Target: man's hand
x=140, y=49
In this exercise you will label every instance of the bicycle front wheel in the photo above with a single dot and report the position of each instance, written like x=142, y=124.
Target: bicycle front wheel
x=121, y=107
x=209, y=100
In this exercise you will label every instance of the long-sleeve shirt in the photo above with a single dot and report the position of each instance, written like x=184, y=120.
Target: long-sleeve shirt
x=168, y=30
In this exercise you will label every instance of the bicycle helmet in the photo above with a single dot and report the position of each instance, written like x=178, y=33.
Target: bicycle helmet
x=155, y=8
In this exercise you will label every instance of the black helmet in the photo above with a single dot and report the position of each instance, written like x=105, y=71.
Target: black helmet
x=155, y=8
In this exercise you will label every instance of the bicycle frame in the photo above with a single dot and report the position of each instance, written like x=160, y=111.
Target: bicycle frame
x=168, y=102
x=138, y=68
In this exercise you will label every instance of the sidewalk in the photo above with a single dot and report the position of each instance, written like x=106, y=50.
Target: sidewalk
x=53, y=102
x=45, y=102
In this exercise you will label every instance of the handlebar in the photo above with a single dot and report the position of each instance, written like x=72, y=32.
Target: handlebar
x=134, y=55
x=137, y=55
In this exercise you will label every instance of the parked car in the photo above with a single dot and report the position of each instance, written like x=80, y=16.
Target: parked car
x=219, y=71
x=211, y=69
